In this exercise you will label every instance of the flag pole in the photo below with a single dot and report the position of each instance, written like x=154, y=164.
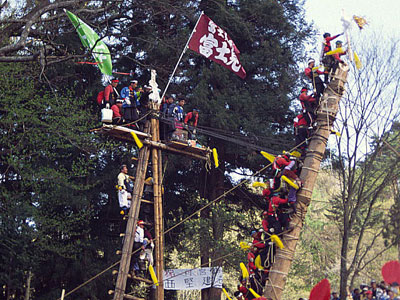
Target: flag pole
x=180, y=58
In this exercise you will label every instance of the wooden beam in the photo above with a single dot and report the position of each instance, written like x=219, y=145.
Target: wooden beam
x=148, y=281
x=126, y=296
x=132, y=220
x=326, y=114
x=146, y=201
x=158, y=216
x=171, y=149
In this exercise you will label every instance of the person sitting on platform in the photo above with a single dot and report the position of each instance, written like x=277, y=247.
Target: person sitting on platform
x=117, y=112
x=110, y=93
x=125, y=189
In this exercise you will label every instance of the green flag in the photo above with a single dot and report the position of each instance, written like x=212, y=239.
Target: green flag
x=91, y=40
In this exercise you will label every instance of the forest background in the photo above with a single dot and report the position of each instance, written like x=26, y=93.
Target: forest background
x=59, y=213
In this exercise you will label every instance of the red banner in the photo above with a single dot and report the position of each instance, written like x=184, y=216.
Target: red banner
x=214, y=43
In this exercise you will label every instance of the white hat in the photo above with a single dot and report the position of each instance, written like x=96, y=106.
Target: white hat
x=311, y=60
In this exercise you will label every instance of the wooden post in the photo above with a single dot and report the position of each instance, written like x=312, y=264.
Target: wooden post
x=132, y=220
x=325, y=117
x=158, y=215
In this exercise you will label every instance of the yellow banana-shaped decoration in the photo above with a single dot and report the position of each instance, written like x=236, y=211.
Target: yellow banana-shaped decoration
x=137, y=140
x=153, y=275
x=289, y=182
x=226, y=294
x=357, y=61
x=268, y=156
x=337, y=50
x=259, y=184
x=245, y=273
x=257, y=262
x=277, y=241
x=244, y=245
x=254, y=293
x=215, y=155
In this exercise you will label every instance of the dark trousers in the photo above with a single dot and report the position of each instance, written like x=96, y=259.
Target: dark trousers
x=131, y=114
x=319, y=88
x=301, y=136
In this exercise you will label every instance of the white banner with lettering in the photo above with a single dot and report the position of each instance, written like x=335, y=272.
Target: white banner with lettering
x=193, y=279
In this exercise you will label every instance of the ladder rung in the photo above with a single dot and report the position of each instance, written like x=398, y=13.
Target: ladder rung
x=142, y=279
x=126, y=296
x=146, y=201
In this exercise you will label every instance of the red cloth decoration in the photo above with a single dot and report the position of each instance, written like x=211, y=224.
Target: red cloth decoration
x=321, y=291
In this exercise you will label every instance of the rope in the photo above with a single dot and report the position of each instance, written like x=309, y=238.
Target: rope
x=184, y=220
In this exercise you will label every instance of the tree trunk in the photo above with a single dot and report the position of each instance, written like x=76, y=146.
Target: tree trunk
x=217, y=225
x=204, y=235
x=344, y=274
x=325, y=117
x=213, y=188
x=28, y=286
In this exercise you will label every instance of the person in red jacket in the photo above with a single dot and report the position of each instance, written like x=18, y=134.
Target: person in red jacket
x=327, y=41
x=301, y=132
x=313, y=75
x=110, y=93
x=251, y=257
x=328, y=60
x=117, y=112
x=242, y=287
x=308, y=105
x=257, y=243
x=337, y=56
x=192, y=119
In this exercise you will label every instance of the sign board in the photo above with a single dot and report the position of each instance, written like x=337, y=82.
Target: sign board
x=193, y=279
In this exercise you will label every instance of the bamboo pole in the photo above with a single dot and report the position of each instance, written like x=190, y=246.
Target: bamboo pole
x=132, y=220
x=159, y=249
x=326, y=114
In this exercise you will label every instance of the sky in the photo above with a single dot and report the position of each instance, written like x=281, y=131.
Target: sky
x=383, y=17
x=380, y=14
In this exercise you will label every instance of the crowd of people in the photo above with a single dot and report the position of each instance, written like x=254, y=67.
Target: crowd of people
x=131, y=106
x=281, y=192
x=373, y=291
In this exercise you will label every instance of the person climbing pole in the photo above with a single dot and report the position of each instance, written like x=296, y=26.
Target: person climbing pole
x=125, y=189
x=313, y=74
x=328, y=60
x=301, y=132
x=138, y=244
x=308, y=105
x=337, y=56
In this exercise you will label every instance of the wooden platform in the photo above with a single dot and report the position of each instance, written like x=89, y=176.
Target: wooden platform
x=124, y=134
